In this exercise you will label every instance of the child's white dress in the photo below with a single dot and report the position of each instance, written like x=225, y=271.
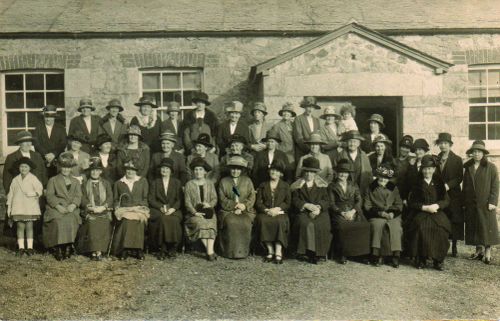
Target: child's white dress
x=23, y=198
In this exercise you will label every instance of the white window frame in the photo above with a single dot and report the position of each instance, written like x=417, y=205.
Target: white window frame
x=184, y=105
x=6, y=149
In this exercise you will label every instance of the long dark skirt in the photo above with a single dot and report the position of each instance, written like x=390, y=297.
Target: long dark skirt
x=235, y=236
x=313, y=235
x=351, y=238
x=94, y=235
x=61, y=230
x=273, y=229
x=456, y=217
x=129, y=234
x=428, y=235
x=164, y=228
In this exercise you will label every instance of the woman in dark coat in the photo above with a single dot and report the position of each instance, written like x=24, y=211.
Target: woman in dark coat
x=481, y=198
x=383, y=207
x=273, y=201
x=199, y=120
x=134, y=150
x=382, y=153
x=114, y=124
x=108, y=159
x=429, y=227
x=350, y=229
x=165, y=222
x=311, y=226
x=149, y=123
x=421, y=148
x=132, y=212
x=97, y=203
x=450, y=169
x=168, y=141
x=264, y=159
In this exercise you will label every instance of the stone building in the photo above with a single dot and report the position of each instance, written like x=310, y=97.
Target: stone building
x=427, y=66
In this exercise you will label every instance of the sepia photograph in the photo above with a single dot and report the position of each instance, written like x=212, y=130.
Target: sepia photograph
x=249, y=159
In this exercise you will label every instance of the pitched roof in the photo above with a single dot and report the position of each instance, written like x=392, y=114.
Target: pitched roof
x=42, y=16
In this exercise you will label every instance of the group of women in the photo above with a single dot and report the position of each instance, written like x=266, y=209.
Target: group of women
x=308, y=187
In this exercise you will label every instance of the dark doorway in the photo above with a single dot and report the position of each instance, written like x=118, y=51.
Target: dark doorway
x=387, y=106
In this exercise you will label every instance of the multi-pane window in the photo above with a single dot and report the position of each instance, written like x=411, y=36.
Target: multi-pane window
x=24, y=95
x=163, y=86
x=484, y=102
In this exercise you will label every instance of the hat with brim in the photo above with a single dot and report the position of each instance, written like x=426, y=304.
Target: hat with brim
x=378, y=119
x=260, y=106
x=85, y=103
x=315, y=138
x=27, y=161
x=310, y=164
x=204, y=139
x=169, y=136
x=200, y=162
x=173, y=106
x=309, y=102
x=236, y=138
x=95, y=163
x=130, y=165
x=78, y=137
x=287, y=107
x=406, y=141
x=143, y=101
x=23, y=136
x=427, y=161
x=49, y=111
x=233, y=107
x=200, y=97
x=384, y=172
x=66, y=160
x=479, y=145
x=279, y=166
x=382, y=139
x=166, y=162
x=271, y=135
x=237, y=162
x=101, y=139
x=352, y=134
x=115, y=103
x=422, y=144
x=330, y=111
x=443, y=137
x=134, y=130
x=344, y=166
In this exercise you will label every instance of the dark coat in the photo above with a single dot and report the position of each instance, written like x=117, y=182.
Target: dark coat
x=118, y=135
x=224, y=134
x=452, y=175
x=402, y=167
x=138, y=196
x=77, y=126
x=210, y=119
x=260, y=172
x=480, y=189
x=179, y=171
x=380, y=198
x=157, y=197
x=110, y=172
x=55, y=144
x=10, y=170
x=150, y=136
x=265, y=200
x=301, y=133
x=345, y=201
x=409, y=181
x=362, y=174
x=168, y=125
x=141, y=157
x=367, y=144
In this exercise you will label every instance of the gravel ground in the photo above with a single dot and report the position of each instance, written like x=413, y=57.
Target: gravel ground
x=192, y=288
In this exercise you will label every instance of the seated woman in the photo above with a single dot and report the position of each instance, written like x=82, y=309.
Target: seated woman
x=350, y=228
x=237, y=197
x=272, y=204
x=76, y=141
x=62, y=215
x=200, y=200
x=165, y=229
x=383, y=207
x=429, y=228
x=132, y=213
x=97, y=203
x=312, y=224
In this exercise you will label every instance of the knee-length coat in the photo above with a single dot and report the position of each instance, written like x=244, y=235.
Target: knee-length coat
x=284, y=131
x=141, y=158
x=480, y=189
x=227, y=197
x=362, y=174
x=260, y=172
x=150, y=132
x=179, y=171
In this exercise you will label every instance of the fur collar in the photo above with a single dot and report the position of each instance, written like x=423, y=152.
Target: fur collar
x=390, y=185
x=470, y=162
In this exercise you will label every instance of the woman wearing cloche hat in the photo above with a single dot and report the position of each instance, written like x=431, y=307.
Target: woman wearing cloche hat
x=283, y=130
x=304, y=125
x=136, y=150
x=148, y=122
x=326, y=171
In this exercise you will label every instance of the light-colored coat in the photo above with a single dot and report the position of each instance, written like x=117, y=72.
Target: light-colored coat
x=23, y=195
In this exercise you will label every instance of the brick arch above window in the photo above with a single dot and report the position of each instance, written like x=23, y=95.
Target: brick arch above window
x=39, y=61
x=169, y=59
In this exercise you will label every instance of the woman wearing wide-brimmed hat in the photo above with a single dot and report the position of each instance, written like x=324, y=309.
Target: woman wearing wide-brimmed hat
x=480, y=194
x=382, y=153
x=165, y=222
x=272, y=204
x=383, y=207
x=258, y=127
x=148, y=122
x=376, y=124
x=104, y=146
x=132, y=212
x=450, y=168
x=86, y=124
x=304, y=125
x=173, y=124
x=429, y=227
x=168, y=141
x=284, y=131
x=202, y=149
x=233, y=125
x=329, y=132
x=265, y=158
x=62, y=215
x=362, y=170
x=134, y=150
x=97, y=203
x=200, y=200
x=311, y=225
x=199, y=120
x=325, y=164
x=351, y=231
x=235, y=218
x=113, y=123
x=237, y=147
x=76, y=142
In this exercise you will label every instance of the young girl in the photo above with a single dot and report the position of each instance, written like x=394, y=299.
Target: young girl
x=23, y=205
x=347, y=123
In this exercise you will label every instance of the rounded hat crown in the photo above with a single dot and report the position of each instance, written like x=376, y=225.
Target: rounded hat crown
x=310, y=163
x=237, y=161
x=134, y=130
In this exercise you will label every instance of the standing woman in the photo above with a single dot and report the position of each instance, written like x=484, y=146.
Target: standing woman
x=312, y=225
x=97, y=203
x=113, y=123
x=132, y=212
x=266, y=157
x=86, y=125
x=283, y=130
x=481, y=198
x=76, y=141
x=136, y=151
x=429, y=228
x=376, y=124
x=108, y=159
x=148, y=123
x=421, y=148
x=165, y=222
x=450, y=168
x=304, y=125
x=168, y=141
x=62, y=215
x=257, y=127
x=350, y=229
x=200, y=200
x=272, y=204
x=382, y=155
x=173, y=124
x=202, y=149
x=237, y=198
x=329, y=132
x=325, y=164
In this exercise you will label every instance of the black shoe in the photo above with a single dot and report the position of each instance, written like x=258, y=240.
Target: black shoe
x=378, y=261
x=58, y=254
x=487, y=260
x=313, y=260
x=172, y=254
x=420, y=264
x=395, y=262
x=438, y=265
x=278, y=259
x=20, y=252
x=477, y=256
x=30, y=252
x=124, y=255
x=161, y=256
x=140, y=255
x=342, y=260
x=211, y=257
x=268, y=258
x=67, y=252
